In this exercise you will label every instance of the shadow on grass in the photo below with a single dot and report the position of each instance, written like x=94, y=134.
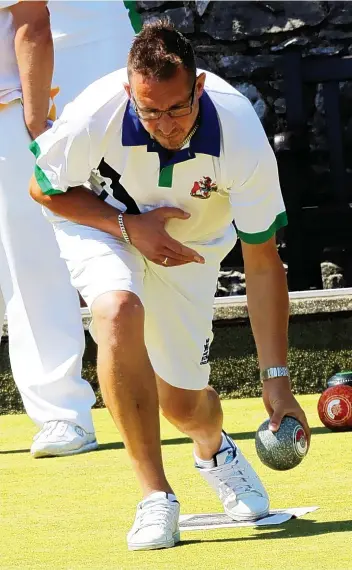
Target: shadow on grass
x=120, y=445
x=294, y=528
x=13, y=451
x=175, y=441
x=180, y=440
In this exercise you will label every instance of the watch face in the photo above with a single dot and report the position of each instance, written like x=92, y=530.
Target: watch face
x=274, y=372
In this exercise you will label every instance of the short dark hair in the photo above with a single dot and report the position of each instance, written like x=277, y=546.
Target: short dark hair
x=159, y=50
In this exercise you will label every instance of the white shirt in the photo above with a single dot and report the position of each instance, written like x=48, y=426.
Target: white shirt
x=78, y=22
x=73, y=23
x=227, y=172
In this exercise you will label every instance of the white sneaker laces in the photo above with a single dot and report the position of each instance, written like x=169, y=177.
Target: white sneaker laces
x=156, y=514
x=47, y=428
x=59, y=426
x=232, y=479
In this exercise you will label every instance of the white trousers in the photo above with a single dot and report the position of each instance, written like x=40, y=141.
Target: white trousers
x=46, y=338
x=45, y=332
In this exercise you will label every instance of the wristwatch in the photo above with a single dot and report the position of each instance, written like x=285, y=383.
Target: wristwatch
x=274, y=372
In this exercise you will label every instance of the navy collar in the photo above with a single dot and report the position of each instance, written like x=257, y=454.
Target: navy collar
x=206, y=139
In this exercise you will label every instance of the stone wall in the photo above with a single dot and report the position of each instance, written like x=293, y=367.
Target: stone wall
x=243, y=42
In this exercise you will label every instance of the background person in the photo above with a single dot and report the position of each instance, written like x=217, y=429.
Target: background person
x=45, y=331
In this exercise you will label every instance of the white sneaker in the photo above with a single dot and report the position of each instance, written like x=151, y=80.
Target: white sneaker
x=60, y=437
x=237, y=485
x=156, y=523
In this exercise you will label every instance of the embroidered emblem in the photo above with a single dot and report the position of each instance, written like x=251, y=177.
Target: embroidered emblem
x=205, y=356
x=202, y=188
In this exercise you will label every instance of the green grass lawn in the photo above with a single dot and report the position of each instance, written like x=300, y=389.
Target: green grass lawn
x=73, y=513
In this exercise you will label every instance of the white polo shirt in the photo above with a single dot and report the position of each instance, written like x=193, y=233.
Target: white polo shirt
x=73, y=24
x=228, y=171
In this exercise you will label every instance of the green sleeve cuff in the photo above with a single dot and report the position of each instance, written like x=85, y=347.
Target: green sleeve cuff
x=261, y=237
x=40, y=176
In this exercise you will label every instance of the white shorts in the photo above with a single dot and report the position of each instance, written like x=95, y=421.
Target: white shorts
x=178, y=301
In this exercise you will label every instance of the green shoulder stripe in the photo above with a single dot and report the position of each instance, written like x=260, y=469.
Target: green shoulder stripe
x=261, y=237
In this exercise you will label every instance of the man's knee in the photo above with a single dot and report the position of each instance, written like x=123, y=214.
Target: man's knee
x=118, y=312
x=183, y=409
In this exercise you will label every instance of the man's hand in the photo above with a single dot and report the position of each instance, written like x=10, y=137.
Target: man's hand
x=147, y=233
x=279, y=402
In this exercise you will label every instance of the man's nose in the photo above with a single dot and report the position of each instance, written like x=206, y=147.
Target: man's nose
x=166, y=124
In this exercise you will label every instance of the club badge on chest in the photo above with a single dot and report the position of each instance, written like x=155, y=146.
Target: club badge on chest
x=203, y=188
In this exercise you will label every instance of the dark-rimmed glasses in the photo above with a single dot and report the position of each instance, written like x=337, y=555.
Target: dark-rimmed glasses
x=173, y=112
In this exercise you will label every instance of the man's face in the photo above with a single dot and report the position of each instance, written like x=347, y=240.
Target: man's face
x=150, y=95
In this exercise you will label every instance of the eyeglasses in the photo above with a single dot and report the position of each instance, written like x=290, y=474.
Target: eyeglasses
x=175, y=112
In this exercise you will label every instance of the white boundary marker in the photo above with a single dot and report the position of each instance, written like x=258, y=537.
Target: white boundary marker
x=301, y=295
x=220, y=520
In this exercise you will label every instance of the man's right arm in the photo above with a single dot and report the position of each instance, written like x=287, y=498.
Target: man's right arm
x=146, y=231
x=81, y=206
x=35, y=59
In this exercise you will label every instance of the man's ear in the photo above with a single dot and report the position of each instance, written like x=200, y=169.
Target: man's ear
x=200, y=84
x=127, y=88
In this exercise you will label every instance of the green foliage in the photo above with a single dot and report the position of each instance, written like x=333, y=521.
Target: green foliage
x=318, y=349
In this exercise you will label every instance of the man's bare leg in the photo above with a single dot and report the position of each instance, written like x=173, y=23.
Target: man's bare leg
x=197, y=413
x=128, y=384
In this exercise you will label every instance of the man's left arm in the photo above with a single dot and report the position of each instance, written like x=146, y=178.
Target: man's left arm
x=268, y=308
x=259, y=212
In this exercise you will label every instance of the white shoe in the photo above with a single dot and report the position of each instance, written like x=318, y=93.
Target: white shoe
x=60, y=437
x=156, y=523
x=237, y=485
